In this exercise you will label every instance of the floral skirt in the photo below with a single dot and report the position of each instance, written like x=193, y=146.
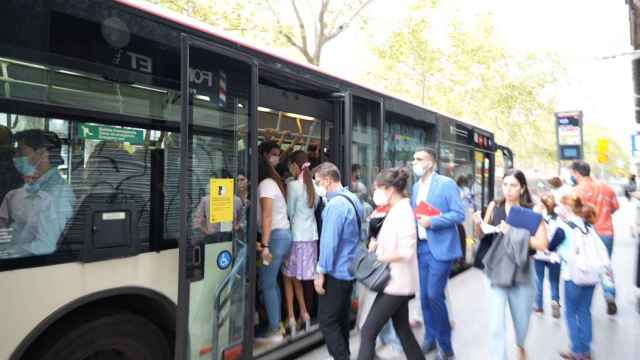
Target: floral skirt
x=302, y=260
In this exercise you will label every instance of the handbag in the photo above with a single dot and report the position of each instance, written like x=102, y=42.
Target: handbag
x=483, y=247
x=365, y=266
x=370, y=272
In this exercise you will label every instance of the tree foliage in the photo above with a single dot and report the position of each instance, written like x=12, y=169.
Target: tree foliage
x=468, y=73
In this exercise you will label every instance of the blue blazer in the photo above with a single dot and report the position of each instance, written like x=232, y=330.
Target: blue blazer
x=443, y=237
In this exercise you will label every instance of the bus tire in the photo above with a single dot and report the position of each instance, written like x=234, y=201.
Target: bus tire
x=121, y=335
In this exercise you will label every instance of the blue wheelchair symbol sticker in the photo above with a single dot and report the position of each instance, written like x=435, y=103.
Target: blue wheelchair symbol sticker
x=224, y=259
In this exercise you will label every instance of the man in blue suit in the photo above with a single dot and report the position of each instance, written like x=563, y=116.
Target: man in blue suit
x=438, y=247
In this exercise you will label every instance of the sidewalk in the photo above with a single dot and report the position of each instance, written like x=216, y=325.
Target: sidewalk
x=614, y=337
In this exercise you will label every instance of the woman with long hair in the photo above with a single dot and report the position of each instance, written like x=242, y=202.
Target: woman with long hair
x=275, y=235
x=548, y=259
x=395, y=245
x=579, y=219
x=519, y=296
x=300, y=265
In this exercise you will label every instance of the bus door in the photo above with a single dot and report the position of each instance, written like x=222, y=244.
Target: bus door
x=217, y=219
x=481, y=188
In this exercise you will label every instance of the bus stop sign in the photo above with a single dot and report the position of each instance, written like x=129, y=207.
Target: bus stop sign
x=569, y=135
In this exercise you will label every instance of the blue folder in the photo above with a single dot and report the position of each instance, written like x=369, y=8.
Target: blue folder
x=524, y=218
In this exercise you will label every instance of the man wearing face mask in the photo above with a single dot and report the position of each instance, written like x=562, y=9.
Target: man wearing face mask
x=36, y=213
x=438, y=247
x=339, y=239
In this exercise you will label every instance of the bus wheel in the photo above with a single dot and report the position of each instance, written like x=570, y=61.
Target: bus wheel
x=122, y=336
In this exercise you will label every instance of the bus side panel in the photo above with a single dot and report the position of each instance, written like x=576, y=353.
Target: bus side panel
x=31, y=295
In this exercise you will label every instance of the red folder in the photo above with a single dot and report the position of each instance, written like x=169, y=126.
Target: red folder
x=425, y=209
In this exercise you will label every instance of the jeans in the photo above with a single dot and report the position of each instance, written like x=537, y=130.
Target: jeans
x=520, y=300
x=608, y=280
x=434, y=275
x=387, y=307
x=334, y=310
x=279, y=246
x=578, y=314
x=554, y=281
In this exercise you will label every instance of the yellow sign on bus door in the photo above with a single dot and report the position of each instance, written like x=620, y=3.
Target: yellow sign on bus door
x=220, y=200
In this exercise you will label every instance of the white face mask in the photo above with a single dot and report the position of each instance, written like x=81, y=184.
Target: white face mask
x=418, y=170
x=321, y=191
x=380, y=198
x=274, y=160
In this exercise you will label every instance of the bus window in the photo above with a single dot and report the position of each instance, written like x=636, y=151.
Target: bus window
x=402, y=138
x=364, y=154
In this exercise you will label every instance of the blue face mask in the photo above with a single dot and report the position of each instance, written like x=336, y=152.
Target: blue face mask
x=23, y=166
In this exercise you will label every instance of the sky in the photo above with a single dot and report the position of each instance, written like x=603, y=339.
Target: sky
x=579, y=33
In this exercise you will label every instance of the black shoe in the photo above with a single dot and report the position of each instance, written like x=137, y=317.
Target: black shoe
x=612, y=308
x=428, y=347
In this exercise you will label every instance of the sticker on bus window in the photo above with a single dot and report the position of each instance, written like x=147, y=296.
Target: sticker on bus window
x=220, y=200
x=224, y=259
x=120, y=215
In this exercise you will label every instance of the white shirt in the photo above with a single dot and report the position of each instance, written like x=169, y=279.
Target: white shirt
x=268, y=188
x=423, y=192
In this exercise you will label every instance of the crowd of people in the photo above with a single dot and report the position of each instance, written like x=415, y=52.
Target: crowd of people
x=311, y=228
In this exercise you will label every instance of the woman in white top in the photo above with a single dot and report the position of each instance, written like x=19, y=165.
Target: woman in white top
x=395, y=245
x=300, y=265
x=275, y=235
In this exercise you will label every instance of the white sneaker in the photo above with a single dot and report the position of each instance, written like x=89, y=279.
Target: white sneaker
x=273, y=338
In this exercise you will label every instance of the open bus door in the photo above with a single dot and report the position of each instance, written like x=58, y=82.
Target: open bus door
x=217, y=226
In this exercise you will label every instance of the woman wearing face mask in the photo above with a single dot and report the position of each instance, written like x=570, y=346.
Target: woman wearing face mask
x=519, y=296
x=275, y=235
x=300, y=264
x=395, y=245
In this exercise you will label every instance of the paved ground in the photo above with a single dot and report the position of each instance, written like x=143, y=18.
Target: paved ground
x=615, y=337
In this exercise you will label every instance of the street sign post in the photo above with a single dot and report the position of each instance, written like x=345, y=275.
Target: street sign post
x=569, y=136
x=603, y=151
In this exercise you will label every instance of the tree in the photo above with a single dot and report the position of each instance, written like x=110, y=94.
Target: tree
x=304, y=25
x=466, y=72
x=329, y=19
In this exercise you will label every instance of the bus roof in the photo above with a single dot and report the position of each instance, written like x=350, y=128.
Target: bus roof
x=194, y=24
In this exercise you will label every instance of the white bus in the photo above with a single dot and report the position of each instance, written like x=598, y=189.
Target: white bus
x=110, y=245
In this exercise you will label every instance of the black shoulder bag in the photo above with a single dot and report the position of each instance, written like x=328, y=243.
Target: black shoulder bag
x=365, y=267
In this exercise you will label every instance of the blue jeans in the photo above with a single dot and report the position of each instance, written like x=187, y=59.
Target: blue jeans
x=577, y=305
x=434, y=275
x=520, y=301
x=279, y=246
x=554, y=281
x=608, y=282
